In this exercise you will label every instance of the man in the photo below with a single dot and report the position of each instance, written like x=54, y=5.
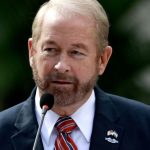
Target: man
x=67, y=52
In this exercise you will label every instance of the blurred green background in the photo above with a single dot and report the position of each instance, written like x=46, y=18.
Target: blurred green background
x=128, y=73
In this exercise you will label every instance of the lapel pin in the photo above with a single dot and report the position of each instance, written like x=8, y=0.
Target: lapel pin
x=111, y=140
x=112, y=136
x=112, y=133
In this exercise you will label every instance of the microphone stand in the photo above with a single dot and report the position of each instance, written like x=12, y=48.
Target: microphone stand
x=44, y=110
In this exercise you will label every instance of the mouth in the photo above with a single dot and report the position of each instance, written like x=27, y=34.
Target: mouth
x=61, y=82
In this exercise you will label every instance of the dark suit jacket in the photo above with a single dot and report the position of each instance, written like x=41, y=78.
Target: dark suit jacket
x=119, y=124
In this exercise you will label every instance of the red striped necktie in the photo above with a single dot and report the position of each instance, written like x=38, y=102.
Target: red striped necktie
x=64, y=126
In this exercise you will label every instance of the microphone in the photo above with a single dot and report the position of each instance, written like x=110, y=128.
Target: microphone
x=46, y=103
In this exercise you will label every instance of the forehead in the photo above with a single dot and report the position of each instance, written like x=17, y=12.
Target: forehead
x=67, y=21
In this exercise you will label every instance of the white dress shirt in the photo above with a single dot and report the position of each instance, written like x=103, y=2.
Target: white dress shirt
x=83, y=117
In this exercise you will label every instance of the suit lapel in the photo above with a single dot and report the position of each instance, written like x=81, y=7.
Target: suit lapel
x=106, y=134
x=26, y=127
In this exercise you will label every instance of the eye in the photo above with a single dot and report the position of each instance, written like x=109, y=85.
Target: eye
x=50, y=51
x=77, y=54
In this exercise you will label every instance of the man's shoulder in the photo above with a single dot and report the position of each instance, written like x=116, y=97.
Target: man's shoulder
x=9, y=115
x=123, y=105
x=7, y=121
x=129, y=104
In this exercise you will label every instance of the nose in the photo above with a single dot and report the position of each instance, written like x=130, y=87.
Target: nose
x=62, y=66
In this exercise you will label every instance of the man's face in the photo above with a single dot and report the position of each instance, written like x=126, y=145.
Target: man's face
x=65, y=61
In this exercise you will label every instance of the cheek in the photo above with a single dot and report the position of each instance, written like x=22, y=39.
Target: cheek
x=86, y=71
x=43, y=66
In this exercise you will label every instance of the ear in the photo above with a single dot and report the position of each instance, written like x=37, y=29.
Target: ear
x=104, y=58
x=31, y=51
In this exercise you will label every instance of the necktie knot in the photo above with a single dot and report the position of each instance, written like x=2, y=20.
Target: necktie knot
x=65, y=125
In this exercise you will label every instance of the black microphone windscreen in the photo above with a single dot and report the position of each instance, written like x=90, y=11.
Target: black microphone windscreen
x=47, y=99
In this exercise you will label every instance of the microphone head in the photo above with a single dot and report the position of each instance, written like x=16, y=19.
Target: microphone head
x=48, y=100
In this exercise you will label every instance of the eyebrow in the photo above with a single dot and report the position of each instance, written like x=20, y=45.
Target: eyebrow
x=50, y=42
x=79, y=45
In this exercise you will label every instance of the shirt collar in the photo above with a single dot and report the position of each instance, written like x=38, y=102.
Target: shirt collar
x=83, y=117
x=49, y=120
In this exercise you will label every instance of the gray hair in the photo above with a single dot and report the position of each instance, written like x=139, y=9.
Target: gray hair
x=89, y=8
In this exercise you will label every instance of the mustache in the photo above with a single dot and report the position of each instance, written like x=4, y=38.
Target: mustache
x=60, y=76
